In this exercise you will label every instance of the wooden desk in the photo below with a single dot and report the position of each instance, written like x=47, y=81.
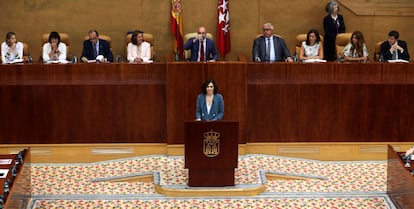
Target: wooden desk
x=400, y=182
x=95, y=103
x=20, y=188
x=273, y=102
x=347, y=102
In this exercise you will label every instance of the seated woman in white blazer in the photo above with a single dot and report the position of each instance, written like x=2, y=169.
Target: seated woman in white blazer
x=138, y=49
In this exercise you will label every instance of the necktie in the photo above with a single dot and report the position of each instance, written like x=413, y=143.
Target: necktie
x=267, y=56
x=95, y=53
x=395, y=55
x=202, y=51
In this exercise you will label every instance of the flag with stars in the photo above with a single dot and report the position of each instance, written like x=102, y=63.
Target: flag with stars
x=177, y=27
x=223, y=27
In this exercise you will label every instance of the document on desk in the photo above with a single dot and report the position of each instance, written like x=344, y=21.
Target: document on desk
x=398, y=61
x=14, y=61
x=5, y=161
x=3, y=173
x=57, y=62
x=313, y=60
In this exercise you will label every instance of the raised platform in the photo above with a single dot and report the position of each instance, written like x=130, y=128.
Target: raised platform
x=84, y=153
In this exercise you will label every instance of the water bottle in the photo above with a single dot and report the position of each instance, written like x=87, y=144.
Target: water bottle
x=6, y=188
x=2, y=200
x=295, y=58
x=381, y=58
x=14, y=170
x=177, y=58
x=339, y=58
x=407, y=164
x=29, y=59
x=74, y=60
x=118, y=58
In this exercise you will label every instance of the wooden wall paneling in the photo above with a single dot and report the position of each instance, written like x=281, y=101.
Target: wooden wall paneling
x=231, y=81
x=184, y=81
x=90, y=103
x=399, y=181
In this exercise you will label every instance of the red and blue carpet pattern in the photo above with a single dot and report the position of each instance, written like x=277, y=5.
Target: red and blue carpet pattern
x=341, y=185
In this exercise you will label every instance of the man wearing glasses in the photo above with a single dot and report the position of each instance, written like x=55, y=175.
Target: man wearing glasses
x=202, y=48
x=96, y=49
x=270, y=48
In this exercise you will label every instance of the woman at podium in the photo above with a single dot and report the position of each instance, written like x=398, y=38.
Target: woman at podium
x=210, y=104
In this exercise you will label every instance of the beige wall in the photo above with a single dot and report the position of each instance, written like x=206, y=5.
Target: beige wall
x=30, y=19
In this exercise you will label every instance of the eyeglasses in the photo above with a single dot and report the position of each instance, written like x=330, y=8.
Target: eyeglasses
x=201, y=32
x=265, y=29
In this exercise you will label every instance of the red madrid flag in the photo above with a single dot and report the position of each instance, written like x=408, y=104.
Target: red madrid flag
x=223, y=28
x=177, y=27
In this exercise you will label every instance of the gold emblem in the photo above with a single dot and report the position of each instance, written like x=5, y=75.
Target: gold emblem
x=211, y=145
x=176, y=6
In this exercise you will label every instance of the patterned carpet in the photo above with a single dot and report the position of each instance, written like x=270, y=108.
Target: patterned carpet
x=341, y=185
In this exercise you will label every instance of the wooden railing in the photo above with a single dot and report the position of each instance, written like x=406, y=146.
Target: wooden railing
x=273, y=102
x=400, y=181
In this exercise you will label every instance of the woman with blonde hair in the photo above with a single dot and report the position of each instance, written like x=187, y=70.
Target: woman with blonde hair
x=11, y=49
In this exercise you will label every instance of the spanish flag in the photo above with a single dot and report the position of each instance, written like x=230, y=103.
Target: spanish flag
x=177, y=27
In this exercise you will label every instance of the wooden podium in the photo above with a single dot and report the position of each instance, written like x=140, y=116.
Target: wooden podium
x=211, y=152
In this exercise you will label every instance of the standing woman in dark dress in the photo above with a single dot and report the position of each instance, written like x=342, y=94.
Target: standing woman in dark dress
x=333, y=24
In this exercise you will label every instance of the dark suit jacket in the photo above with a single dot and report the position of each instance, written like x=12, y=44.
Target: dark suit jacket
x=103, y=50
x=259, y=49
x=331, y=31
x=211, y=53
x=216, y=111
x=385, y=51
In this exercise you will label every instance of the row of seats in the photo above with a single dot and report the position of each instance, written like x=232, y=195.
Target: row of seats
x=341, y=41
x=65, y=39
x=147, y=37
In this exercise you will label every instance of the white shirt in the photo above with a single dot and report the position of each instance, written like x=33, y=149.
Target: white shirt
x=272, y=48
x=347, y=51
x=47, y=48
x=311, y=51
x=8, y=56
x=142, y=51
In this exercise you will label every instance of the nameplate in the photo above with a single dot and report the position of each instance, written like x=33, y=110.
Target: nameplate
x=5, y=161
x=3, y=173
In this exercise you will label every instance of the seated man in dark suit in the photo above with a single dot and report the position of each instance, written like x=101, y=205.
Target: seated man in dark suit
x=94, y=47
x=394, y=49
x=270, y=48
x=202, y=48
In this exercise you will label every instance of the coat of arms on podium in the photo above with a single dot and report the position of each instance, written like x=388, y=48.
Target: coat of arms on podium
x=211, y=145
